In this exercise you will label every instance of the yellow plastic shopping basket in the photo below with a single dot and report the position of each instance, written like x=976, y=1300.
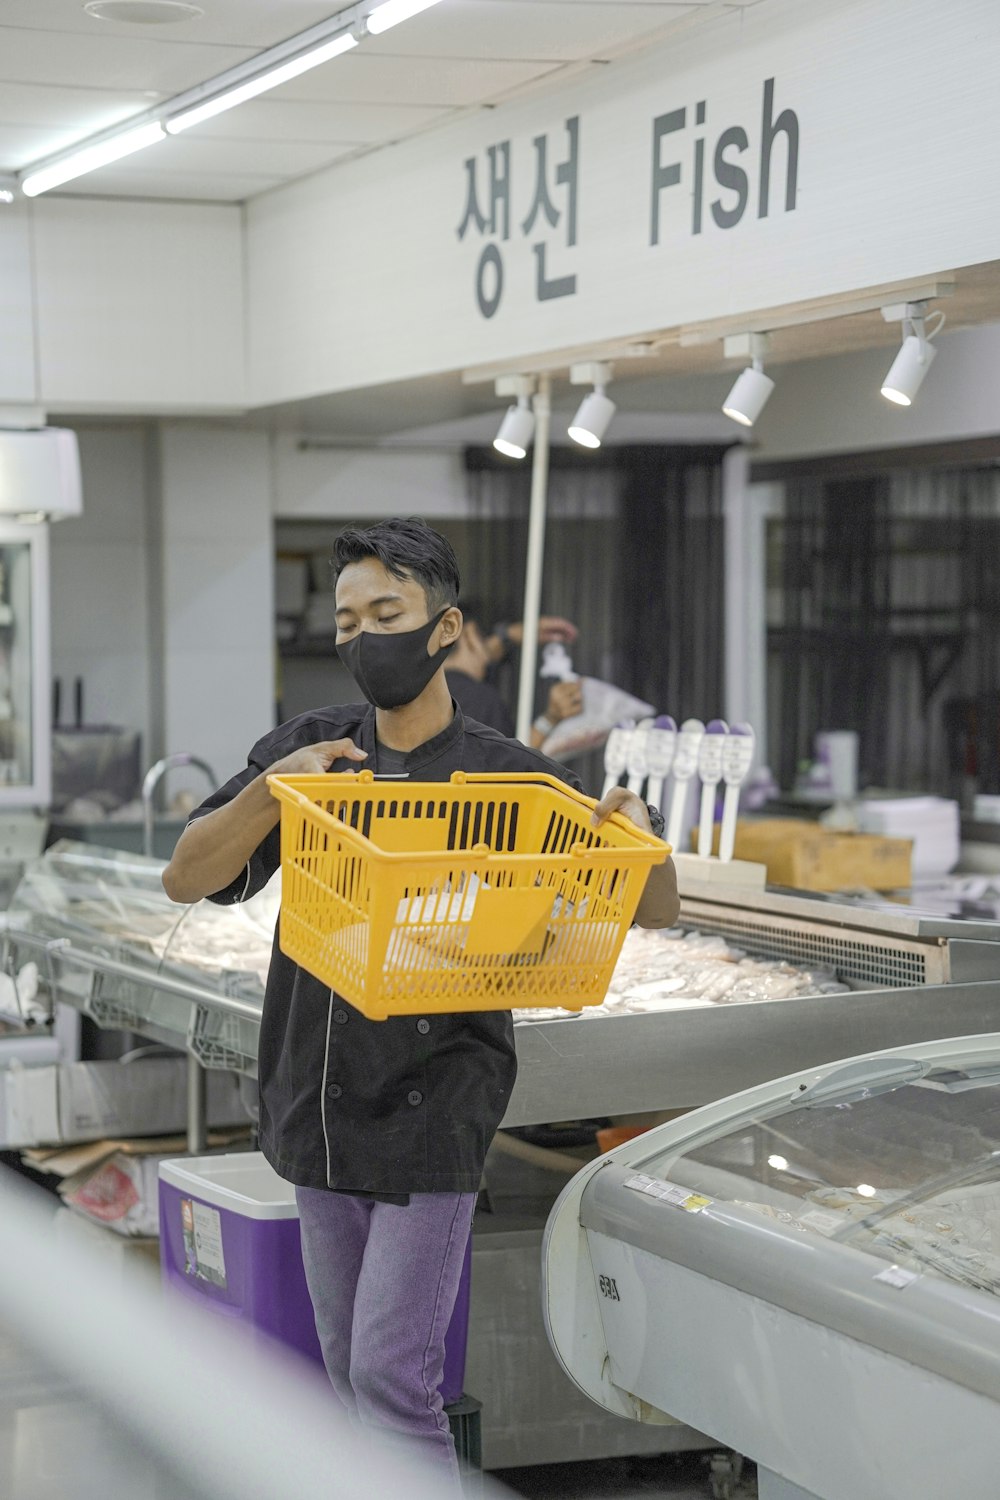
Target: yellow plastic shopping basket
x=483, y=893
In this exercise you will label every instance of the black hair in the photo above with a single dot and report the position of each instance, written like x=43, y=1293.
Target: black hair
x=406, y=548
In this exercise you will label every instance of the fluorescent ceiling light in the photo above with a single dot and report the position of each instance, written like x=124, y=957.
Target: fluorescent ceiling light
x=271, y=79
x=516, y=430
x=391, y=12
x=89, y=158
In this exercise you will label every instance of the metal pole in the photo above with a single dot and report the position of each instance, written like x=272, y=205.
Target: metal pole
x=197, y=1102
x=536, y=557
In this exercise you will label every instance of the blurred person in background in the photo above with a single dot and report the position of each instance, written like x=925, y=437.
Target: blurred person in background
x=471, y=675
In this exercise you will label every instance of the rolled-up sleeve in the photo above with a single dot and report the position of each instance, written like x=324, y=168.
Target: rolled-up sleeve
x=266, y=857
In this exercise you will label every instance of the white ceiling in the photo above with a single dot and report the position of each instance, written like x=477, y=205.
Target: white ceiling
x=65, y=75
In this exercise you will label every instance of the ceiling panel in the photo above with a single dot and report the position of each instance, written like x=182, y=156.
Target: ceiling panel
x=494, y=29
x=277, y=119
x=119, y=182
x=363, y=78
x=243, y=23
x=79, y=109
x=192, y=155
x=110, y=62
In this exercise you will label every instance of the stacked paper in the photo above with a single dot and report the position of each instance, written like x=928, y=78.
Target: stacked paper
x=931, y=822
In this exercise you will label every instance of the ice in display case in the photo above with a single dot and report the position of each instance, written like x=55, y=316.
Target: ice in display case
x=809, y=1271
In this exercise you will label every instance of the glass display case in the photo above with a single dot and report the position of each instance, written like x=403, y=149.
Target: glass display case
x=25, y=722
x=809, y=1271
x=95, y=928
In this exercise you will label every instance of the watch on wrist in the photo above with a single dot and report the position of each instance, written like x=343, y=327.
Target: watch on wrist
x=656, y=819
x=545, y=726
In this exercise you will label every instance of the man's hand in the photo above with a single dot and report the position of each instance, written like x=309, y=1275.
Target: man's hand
x=621, y=800
x=659, y=905
x=212, y=850
x=315, y=760
x=550, y=628
x=565, y=701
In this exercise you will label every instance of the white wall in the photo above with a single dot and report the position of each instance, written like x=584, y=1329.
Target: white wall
x=325, y=482
x=356, y=276
x=217, y=564
x=18, y=375
x=99, y=584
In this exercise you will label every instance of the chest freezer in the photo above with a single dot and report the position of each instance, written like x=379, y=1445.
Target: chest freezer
x=808, y=1271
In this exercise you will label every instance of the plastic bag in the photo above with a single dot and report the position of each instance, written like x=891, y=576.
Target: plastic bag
x=604, y=706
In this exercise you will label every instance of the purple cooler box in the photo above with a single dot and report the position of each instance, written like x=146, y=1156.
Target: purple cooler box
x=229, y=1240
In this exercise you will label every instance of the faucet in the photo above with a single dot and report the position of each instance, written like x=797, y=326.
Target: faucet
x=151, y=781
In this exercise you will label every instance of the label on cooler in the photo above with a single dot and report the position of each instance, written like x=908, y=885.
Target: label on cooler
x=669, y=1193
x=203, y=1253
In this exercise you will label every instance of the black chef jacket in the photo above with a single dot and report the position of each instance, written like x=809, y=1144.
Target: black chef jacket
x=407, y=1105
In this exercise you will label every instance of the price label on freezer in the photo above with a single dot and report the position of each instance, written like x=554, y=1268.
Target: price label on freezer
x=897, y=1277
x=668, y=1192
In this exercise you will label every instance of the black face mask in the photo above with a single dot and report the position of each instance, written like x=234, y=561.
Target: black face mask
x=393, y=669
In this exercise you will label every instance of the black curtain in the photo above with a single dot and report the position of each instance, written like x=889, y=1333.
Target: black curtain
x=885, y=619
x=633, y=555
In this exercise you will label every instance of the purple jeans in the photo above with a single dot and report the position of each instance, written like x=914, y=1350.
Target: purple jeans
x=383, y=1282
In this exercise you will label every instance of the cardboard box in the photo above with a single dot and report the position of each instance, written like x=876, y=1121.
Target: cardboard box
x=94, y=1100
x=116, y=1183
x=806, y=857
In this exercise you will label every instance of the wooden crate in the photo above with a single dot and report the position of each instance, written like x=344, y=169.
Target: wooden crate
x=807, y=857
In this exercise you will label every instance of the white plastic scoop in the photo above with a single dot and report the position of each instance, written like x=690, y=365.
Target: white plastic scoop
x=636, y=759
x=689, y=739
x=661, y=743
x=616, y=755
x=737, y=758
x=710, y=771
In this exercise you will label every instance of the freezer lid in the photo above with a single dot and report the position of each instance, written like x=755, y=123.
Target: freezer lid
x=939, y=1326
x=898, y=1156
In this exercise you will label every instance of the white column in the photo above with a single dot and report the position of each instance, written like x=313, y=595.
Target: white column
x=217, y=607
x=746, y=509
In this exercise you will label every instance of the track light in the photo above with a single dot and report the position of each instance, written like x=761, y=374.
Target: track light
x=916, y=354
x=596, y=410
x=752, y=389
x=518, y=426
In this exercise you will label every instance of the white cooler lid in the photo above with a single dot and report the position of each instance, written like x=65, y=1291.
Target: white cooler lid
x=241, y=1182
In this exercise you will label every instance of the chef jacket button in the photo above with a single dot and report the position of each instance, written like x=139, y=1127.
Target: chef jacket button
x=414, y=1097
x=340, y=1017
x=423, y=1027
x=334, y=1090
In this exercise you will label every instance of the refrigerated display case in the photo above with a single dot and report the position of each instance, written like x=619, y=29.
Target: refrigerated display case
x=809, y=1271
x=108, y=942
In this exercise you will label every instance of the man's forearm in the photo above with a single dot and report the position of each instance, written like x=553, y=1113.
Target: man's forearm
x=212, y=850
x=660, y=904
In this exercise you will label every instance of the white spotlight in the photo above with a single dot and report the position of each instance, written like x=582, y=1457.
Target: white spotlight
x=516, y=430
x=750, y=393
x=596, y=410
x=907, y=371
